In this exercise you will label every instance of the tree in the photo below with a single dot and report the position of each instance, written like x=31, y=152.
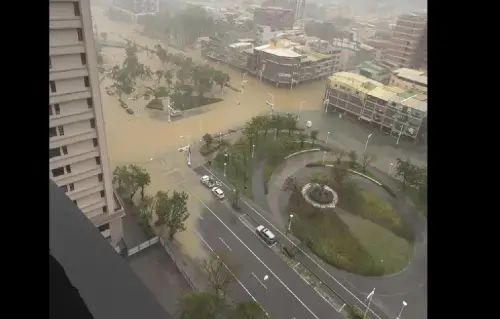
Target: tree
x=161, y=53
x=141, y=178
x=147, y=208
x=339, y=154
x=123, y=179
x=367, y=160
x=340, y=173
x=172, y=211
x=353, y=159
x=202, y=305
x=290, y=122
x=208, y=139
x=168, y=78
x=292, y=184
x=314, y=136
x=218, y=271
x=410, y=174
x=321, y=180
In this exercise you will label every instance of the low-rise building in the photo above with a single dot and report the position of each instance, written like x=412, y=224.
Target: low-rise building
x=398, y=112
x=375, y=71
x=409, y=79
x=275, y=17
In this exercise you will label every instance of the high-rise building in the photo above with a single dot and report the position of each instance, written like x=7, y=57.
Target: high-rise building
x=78, y=160
x=408, y=46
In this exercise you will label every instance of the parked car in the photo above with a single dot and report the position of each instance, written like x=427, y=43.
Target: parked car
x=207, y=181
x=265, y=234
x=218, y=192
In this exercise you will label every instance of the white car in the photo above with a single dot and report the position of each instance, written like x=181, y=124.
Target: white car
x=207, y=181
x=218, y=192
x=265, y=234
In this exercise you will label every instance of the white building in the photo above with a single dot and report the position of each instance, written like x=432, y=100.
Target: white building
x=78, y=160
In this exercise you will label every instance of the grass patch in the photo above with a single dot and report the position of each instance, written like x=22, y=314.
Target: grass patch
x=413, y=194
x=355, y=167
x=330, y=238
x=370, y=206
x=389, y=251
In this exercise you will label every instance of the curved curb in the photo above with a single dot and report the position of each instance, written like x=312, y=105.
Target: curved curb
x=359, y=174
x=302, y=152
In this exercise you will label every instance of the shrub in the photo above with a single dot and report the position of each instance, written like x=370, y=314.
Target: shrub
x=315, y=165
x=357, y=313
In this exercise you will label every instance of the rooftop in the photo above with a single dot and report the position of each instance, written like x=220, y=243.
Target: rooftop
x=359, y=82
x=413, y=75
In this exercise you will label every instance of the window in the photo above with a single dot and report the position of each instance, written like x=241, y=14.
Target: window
x=50, y=63
x=50, y=110
x=68, y=169
x=54, y=152
x=98, y=160
x=52, y=86
x=52, y=132
x=99, y=177
x=76, y=9
x=61, y=130
x=94, y=140
x=86, y=81
x=90, y=103
x=103, y=227
x=102, y=194
x=105, y=209
x=58, y=171
x=57, y=109
x=83, y=57
x=92, y=123
x=75, y=202
x=79, y=31
x=71, y=187
x=64, y=150
x=64, y=188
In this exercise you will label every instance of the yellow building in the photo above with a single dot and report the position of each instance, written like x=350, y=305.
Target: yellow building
x=409, y=79
x=396, y=111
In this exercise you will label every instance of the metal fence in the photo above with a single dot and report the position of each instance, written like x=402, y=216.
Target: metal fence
x=142, y=246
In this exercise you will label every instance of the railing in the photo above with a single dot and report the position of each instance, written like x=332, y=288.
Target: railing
x=142, y=246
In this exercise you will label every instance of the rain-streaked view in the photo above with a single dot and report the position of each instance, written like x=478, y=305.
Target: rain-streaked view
x=243, y=159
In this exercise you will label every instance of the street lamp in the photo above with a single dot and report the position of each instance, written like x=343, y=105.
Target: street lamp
x=326, y=102
x=289, y=223
x=300, y=107
x=390, y=168
x=327, y=136
x=369, y=297
x=225, y=166
x=271, y=104
x=404, y=305
x=366, y=144
x=253, y=149
x=323, y=161
x=189, y=148
x=169, y=109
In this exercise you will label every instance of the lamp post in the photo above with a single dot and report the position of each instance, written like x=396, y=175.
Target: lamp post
x=323, y=161
x=271, y=104
x=327, y=136
x=326, y=102
x=369, y=297
x=168, y=109
x=390, y=168
x=402, y=308
x=300, y=107
x=289, y=223
x=366, y=144
x=253, y=149
x=225, y=167
x=189, y=149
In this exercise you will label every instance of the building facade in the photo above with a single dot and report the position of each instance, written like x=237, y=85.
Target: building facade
x=139, y=6
x=398, y=112
x=409, y=79
x=78, y=160
x=274, y=17
x=408, y=46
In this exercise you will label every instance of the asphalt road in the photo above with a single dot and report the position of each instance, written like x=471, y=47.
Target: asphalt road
x=284, y=294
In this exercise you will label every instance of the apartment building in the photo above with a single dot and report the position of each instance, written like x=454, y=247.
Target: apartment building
x=275, y=17
x=78, y=160
x=408, y=46
x=396, y=111
x=409, y=79
x=139, y=6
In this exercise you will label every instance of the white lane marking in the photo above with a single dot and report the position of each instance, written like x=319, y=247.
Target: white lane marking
x=300, y=249
x=241, y=241
x=201, y=217
x=222, y=240
x=296, y=266
x=259, y=280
